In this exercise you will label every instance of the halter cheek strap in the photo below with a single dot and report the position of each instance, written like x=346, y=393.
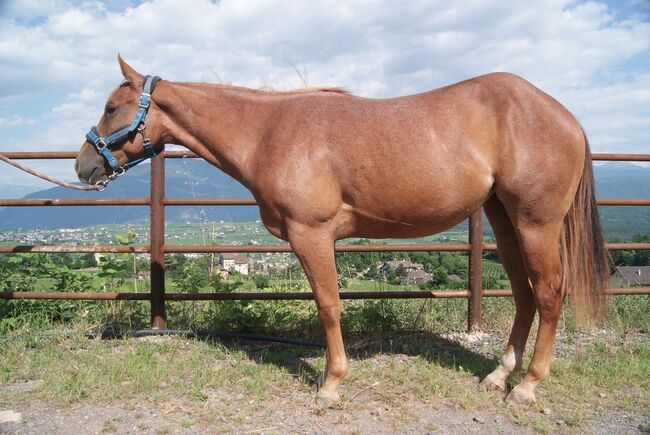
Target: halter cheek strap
x=103, y=144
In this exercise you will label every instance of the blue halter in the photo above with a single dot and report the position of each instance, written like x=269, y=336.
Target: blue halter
x=103, y=144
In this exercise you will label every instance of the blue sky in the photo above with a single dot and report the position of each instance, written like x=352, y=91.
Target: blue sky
x=58, y=57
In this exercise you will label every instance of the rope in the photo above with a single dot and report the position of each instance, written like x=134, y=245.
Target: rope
x=45, y=177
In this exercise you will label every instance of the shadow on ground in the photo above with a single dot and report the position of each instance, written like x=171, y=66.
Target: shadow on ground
x=298, y=359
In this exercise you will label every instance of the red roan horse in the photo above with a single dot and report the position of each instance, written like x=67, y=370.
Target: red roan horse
x=324, y=165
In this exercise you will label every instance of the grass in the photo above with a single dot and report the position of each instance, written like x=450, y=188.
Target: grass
x=400, y=361
x=393, y=372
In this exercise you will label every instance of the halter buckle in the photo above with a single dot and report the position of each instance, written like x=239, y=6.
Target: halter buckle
x=144, y=101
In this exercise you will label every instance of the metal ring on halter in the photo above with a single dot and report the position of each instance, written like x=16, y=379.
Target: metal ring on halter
x=101, y=185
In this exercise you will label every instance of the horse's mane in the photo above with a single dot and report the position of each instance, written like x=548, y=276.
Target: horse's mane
x=271, y=91
x=332, y=89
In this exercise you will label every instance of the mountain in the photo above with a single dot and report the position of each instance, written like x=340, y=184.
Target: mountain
x=196, y=178
x=11, y=191
x=183, y=178
x=623, y=180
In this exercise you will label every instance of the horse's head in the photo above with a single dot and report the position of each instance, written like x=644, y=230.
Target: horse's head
x=128, y=132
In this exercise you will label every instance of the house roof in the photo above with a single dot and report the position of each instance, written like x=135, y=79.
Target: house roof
x=406, y=264
x=414, y=274
x=239, y=258
x=634, y=275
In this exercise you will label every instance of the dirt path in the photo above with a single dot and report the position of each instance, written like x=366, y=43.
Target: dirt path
x=297, y=417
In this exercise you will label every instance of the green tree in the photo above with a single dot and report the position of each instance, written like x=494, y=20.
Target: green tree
x=193, y=279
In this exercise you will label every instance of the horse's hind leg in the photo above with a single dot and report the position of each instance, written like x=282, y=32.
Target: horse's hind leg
x=510, y=253
x=539, y=243
x=314, y=247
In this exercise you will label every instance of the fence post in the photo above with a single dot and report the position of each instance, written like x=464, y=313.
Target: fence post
x=474, y=308
x=157, y=236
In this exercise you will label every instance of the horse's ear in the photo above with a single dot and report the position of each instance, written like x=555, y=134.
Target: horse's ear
x=129, y=73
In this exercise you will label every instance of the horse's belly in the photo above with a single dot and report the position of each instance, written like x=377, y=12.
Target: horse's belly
x=415, y=216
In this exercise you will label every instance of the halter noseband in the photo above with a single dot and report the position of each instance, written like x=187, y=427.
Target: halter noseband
x=103, y=144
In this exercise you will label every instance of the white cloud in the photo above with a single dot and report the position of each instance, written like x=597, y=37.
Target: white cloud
x=593, y=59
x=15, y=121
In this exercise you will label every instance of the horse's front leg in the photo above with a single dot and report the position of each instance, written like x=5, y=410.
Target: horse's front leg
x=314, y=247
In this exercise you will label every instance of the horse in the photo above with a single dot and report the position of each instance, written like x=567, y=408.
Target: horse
x=324, y=164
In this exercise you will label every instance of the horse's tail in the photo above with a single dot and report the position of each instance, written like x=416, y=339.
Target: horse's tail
x=584, y=257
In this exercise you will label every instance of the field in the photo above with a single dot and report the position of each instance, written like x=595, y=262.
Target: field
x=413, y=370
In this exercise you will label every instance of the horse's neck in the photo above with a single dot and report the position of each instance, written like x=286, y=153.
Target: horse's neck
x=222, y=125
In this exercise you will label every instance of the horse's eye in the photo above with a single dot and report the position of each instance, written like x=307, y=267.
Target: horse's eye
x=109, y=109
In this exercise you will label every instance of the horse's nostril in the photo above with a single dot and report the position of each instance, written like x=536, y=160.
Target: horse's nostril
x=76, y=166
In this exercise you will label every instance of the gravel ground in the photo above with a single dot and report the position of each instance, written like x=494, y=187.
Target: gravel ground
x=42, y=418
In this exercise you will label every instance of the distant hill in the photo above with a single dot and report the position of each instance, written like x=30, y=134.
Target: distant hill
x=183, y=178
x=196, y=178
x=623, y=180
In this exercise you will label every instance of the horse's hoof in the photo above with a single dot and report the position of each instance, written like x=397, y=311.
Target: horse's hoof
x=489, y=385
x=519, y=396
x=327, y=399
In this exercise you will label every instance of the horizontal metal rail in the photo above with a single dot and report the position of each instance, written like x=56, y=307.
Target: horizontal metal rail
x=202, y=249
x=51, y=249
x=411, y=247
x=210, y=201
x=613, y=157
x=40, y=155
x=30, y=202
x=52, y=155
x=306, y=295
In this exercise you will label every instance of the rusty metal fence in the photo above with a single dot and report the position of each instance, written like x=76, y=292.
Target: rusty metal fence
x=157, y=247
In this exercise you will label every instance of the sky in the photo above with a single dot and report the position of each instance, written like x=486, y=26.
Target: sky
x=58, y=57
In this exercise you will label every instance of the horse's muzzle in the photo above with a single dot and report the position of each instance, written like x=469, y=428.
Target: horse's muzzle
x=90, y=166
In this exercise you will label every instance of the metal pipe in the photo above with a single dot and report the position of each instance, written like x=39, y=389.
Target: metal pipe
x=50, y=249
x=40, y=155
x=157, y=234
x=210, y=201
x=77, y=296
x=251, y=201
x=73, y=202
x=474, y=307
x=179, y=155
x=241, y=296
x=623, y=201
x=609, y=246
x=413, y=247
x=627, y=246
x=613, y=157
x=266, y=296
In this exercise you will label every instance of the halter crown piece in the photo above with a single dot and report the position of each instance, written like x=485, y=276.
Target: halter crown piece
x=103, y=144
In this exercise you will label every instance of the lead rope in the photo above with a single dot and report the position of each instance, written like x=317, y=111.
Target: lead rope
x=50, y=179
